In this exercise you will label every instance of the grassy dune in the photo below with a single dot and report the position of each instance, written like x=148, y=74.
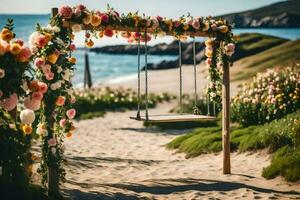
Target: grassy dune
x=278, y=56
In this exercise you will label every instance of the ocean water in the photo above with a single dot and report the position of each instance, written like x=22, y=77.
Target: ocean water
x=115, y=68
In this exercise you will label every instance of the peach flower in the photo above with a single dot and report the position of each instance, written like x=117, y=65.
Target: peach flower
x=60, y=101
x=2, y=73
x=41, y=41
x=24, y=55
x=32, y=104
x=10, y=103
x=42, y=87
x=49, y=76
x=38, y=96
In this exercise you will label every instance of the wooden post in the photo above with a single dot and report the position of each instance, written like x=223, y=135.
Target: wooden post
x=53, y=177
x=226, y=120
x=87, y=74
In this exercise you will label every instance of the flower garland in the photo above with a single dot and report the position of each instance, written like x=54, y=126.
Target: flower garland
x=15, y=133
x=218, y=50
x=54, y=67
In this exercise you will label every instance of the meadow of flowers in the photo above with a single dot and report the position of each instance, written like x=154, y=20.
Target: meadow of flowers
x=270, y=95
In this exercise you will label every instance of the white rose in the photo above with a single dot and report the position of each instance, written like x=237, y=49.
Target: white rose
x=32, y=38
x=76, y=28
x=33, y=49
x=53, y=150
x=27, y=116
x=59, y=69
x=53, y=86
x=67, y=74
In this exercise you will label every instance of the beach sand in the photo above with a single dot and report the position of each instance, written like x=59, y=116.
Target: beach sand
x=117, y=158
x=168, y=81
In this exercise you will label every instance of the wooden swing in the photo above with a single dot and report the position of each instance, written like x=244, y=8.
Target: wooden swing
x=181, y=117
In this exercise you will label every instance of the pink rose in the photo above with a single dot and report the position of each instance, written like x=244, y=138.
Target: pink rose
x=42, y=87
x=32, y=104
x=71, y=113
x=72, y=47
x=136, y=35
x=62, y=122
x=46, y=69
x=104, y=17
x=196, y=24
x=37, y=96
x=39, y=62
x=159, y=18
x=49, y=76
x=208, y=61
x=231, y=46
x=52, y=142
x=66, y=12
x=41, y=41
x=10, y=103
x=177, y=24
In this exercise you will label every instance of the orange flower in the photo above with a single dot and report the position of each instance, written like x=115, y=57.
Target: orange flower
x=52, y=58
x=72, y=60
x=60, y=101
x=26, y=129
x=69, y=134
x=224, y=29
x=72, y=36
x=7, y=35
x=33, y=85
x=48, y=36
x=96, y=20
x=90, y=43
x=15, y=49
x=209, y=42
x=100, y=34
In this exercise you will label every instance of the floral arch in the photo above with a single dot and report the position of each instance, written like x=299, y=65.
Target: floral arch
x=52, y=47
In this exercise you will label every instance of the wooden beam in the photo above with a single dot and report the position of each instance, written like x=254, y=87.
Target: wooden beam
x=226, y=120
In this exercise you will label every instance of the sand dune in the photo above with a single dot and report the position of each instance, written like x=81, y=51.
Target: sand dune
x=117, y=158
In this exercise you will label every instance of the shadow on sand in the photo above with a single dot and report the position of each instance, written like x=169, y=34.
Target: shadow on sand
x=167, y=186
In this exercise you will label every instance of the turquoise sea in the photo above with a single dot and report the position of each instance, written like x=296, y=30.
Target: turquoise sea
x=115, y=67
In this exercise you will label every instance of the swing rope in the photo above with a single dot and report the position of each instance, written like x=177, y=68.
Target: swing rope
x=146, y=75
x=180, y=76
x=138, y=114
x=196, y=110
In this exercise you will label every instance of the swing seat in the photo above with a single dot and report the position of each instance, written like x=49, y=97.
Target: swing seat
x=174, y=118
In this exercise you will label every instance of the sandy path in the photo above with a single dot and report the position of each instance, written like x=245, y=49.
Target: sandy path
x=117, y=158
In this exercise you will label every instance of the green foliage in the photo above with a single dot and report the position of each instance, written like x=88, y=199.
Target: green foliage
x=282, y=133
x=14, y=155
x=107, y=99
x=270, y=95
x=91, y=115
x=285, y=162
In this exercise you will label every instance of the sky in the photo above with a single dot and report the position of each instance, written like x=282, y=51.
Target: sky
x=168, y=8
